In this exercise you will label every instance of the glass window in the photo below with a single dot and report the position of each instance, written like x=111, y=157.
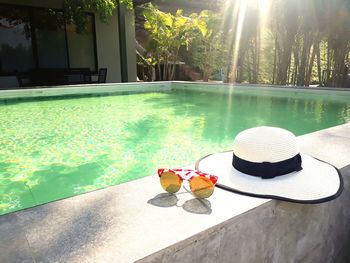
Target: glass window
x=81, y=46
x=16, y=53
x=39, y=38
x=50, y=38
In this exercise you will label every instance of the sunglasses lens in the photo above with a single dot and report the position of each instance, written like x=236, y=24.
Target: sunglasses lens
x=201, y=187
x=170, y=182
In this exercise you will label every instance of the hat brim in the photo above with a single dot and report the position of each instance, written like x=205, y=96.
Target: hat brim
x=317, y=182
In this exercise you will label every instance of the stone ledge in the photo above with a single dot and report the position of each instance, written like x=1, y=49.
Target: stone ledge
x=66, y=90
x=247, y=85
x=135, y=221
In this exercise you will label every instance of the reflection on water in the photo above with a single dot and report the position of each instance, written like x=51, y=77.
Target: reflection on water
x=58, y=148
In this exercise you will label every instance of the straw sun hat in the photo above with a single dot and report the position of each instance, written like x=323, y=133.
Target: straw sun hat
x=266, y=162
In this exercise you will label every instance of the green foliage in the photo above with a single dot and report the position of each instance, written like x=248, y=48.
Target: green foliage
x=169, y=33
x=208, y=50
x=75, y=10
x=298, y=42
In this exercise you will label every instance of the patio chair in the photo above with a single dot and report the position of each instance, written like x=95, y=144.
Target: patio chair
x=79, y=76
x=24, y=80
x=101, y=77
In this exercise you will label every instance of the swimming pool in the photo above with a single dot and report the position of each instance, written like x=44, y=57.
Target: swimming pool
x=56, y=147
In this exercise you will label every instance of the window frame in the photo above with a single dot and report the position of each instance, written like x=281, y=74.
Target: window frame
x=30, y=10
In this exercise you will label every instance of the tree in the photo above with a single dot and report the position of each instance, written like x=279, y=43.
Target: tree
x=338, y=39
x=168, y=34
x=207, y=50
x=74, y=10
x=301, y=43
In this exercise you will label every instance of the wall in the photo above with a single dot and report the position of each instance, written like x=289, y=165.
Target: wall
x=108, y=55
x=130, y=44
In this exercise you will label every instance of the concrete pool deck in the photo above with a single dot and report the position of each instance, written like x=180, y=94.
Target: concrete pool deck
x=137, y=221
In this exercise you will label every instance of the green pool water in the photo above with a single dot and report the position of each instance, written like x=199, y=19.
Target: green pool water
x=56, y=148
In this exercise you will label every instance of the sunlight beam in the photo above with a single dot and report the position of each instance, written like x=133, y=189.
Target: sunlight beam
x=240, y=22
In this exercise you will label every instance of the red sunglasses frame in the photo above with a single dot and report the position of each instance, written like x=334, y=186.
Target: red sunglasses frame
x=188, y=172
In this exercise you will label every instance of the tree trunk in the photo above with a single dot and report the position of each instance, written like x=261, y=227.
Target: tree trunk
x=165, y=64
x=274, y=62
x=339, y=63
x=304, y=56
x=328, y=70
x=172, y=74
x=229, y=64
x=319, y=73
x=292, y=73
x=205, y=77
x=207, y=69
x=311, y=64
x=284, y=61
x=159, y=68
x=249, y=70
x=258, y=51
x=255, y=56
x=296, y=66
x=283, y=67
x=173, y=65
x=243, y=55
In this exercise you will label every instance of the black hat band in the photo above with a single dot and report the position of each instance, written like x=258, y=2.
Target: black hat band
x=267, y=170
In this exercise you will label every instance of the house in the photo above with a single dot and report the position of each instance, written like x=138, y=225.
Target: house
x=34, y=36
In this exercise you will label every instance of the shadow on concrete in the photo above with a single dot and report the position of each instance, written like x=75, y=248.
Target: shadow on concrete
x=164, y=200
x=195, y=205
x=198, y=206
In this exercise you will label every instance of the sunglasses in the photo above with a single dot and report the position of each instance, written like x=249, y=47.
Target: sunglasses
x=201, y=184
